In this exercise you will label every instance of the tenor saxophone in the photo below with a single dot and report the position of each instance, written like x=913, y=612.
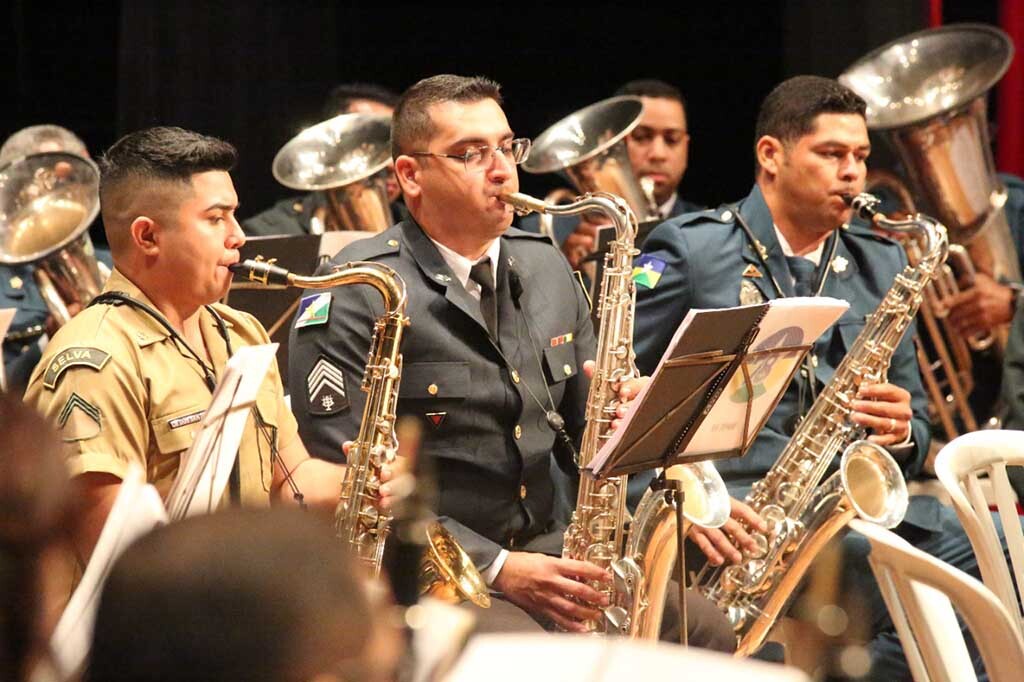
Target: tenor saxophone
x=597, y=529
x=446, y=571
x=803, y=513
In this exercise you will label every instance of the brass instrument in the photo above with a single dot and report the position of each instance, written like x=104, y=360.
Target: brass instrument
x=47, y=202
x=348, y=159
x=596, y=532
x=926, y=95
x=944, y=355
x=357, y=520
x=803, y=515
x=588, y=147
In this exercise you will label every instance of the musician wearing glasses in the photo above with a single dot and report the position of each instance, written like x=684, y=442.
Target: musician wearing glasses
x=789, y=237
x=129, y=378
x=493, y=358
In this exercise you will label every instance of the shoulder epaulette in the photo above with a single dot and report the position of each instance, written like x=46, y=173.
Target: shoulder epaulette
x=516, y=233
x=723, y=214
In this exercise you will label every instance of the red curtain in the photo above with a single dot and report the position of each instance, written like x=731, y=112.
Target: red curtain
x=1010, y=133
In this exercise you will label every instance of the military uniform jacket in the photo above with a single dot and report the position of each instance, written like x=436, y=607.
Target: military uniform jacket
x=487, y=439
x=121, y=390
x=706, y=259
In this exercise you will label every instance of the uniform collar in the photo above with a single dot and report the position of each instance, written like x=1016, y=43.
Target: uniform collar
x=149, y=330
x=461, y=266
x=759, y=218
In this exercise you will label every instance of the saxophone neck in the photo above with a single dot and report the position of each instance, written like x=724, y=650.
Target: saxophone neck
x=610, y=205
x=936, y=246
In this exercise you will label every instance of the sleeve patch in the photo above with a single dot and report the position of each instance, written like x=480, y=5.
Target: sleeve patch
x=325, y=385
x=73, y=357
x=647, y=271
x=314, y=309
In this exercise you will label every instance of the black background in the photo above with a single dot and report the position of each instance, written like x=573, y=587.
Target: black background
x=255, y=73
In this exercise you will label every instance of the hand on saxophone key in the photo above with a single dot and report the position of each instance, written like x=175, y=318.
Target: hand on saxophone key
x=396, y=480
x=885, y=409
x=628, y=390
x=555, y=588
x=726, y=543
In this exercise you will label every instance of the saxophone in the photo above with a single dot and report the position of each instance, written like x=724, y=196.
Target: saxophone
x=597, y=530
x=448, y=572
x=802, y=516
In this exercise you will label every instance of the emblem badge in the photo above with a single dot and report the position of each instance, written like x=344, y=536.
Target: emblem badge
x=436, y=418
x=647, y=271
x=325, y=385
x=752, y=272
x=313, y=310
x=74, y=357
x=839, y=265
x=749, y=293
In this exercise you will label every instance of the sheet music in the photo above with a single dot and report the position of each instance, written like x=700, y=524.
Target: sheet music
x=788, y=322
x=206, y=466
x=136, y=511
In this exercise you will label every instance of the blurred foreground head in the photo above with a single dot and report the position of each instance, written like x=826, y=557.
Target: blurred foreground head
x=241, y=595
x=34, y=504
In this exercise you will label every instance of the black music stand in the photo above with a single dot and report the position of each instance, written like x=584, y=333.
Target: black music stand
x=683, y=391
x=274, y=305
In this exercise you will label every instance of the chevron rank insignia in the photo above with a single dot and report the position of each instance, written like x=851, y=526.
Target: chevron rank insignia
x=313, y=310
x=79, y=419
x=647, y=271
x=326, y=388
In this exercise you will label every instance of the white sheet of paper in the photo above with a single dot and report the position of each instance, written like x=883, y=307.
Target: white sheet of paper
x=136, y=511
x=6, y=317
x=206, y=466
x=789, y=321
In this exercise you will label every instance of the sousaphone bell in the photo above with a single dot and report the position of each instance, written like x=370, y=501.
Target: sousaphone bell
x=347, y=159
x=47, y=202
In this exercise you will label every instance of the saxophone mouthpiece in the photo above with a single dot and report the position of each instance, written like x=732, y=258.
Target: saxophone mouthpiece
x=263, y=271
x=523, y=203
x=864, y=205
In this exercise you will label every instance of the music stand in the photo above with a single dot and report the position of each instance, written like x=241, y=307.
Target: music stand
x=275, y=305
x=709, y=353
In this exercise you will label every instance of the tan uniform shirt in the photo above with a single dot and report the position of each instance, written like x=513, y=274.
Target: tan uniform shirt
x=121, y=389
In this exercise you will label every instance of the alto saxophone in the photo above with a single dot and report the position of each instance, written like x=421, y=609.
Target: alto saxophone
x=597, y=530
x=802, y=516
x=447, y=571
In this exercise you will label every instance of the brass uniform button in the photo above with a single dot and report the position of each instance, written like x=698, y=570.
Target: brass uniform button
x=297, y=207
x=432, y=389
x=522, y=492
x=392, y=242
x=517, y=432
x=567, y=369
x=16, y=282
x=515, y=377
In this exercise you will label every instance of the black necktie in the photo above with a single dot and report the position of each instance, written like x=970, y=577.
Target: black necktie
x=482, y=275
x=803, y=271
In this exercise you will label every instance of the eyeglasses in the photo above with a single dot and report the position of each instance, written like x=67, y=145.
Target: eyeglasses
x=478, y=159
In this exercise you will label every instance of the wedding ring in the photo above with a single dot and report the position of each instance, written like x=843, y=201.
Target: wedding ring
x=892, y=425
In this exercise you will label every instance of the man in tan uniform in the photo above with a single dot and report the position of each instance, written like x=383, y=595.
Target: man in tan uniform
x=128, y=379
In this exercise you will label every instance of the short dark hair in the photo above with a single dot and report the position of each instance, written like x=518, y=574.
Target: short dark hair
x=652, y=87
x=340, y=98
x=241, y=594
x=411, y=123
x=154, y=156
x=788, y=112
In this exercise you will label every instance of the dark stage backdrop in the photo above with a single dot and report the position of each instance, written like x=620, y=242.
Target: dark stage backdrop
x=255, y=73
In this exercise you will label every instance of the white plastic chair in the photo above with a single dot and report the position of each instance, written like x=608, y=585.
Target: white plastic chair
x=918, y=590
x=958, y=467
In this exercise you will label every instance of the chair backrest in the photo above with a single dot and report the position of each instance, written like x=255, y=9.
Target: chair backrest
x=958, y=466
x=920, y=592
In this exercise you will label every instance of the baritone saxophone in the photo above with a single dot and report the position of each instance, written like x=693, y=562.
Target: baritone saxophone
x=357, y=521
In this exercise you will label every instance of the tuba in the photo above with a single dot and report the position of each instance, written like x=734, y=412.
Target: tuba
x=926, y=95
x=802, y=512
x=597, y=531
x=357, y=521
x=47, y=202
x=589, y=148
x=348, y=159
